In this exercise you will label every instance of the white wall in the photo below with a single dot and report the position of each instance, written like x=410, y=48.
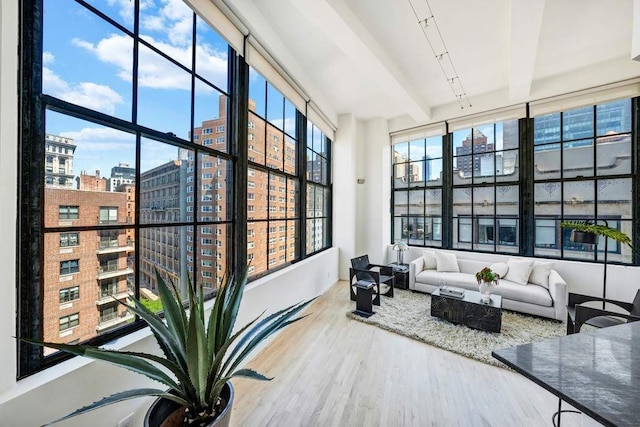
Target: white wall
x=345, y=174
x=67, y=386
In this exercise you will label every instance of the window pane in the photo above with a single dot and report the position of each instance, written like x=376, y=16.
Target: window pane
x=577, y=124
x=613, y=155
x=257, y=93
x=257, y=247
x=615, y=198
x=433, y=202
x=164, y=94
x=214, y=182
x=171, y=252
x=546, y=129
x=106, y=55
x=210, y=118
x=416, y=202
x=483, y=201
x=79, y=154
x=547, y=198
x=507, y=166
x=546, y=162
x=461, y=201
x=577, y=158
x=258, y=184
x=463, y=168
x=415, y=230
x=290, y=155
x=578, y=199
x=417, y=150
x=613, y=117
x=255, y=140
x=211, y=260
x=400, y=203
x=168, y=28
x=211, y=55
x=434, y=147
x=163, y=181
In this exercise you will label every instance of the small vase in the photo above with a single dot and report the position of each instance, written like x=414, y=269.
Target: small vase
x=486, y=289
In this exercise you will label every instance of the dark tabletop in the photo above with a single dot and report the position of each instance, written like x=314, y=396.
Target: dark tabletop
x=597, y=372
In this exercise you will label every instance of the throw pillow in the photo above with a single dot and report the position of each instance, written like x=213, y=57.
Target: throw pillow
x=540, y=273
x=446, y=262
x=430, y=262
x=519, y=270
x=500, y=268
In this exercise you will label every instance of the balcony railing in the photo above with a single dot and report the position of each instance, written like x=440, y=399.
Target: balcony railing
x=113, y=246
x=111, y=320
x=107, y=296
x=111, y=269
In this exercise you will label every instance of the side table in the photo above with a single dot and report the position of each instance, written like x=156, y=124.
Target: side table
x=401, y=274
x=364, y=298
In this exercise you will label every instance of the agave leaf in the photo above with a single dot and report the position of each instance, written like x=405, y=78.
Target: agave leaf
x=197, y=357
x=172, y=349
x=119, y=397
x=267, y=330
x=230, y=313
x=173, y=313
x=214, y=366
x=246, y=337
x=250, y=373
x=127, y=361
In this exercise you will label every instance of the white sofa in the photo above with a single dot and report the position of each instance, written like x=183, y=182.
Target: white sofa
x=537, y=299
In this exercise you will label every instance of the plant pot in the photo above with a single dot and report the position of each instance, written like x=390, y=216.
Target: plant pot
x=167, y=413
x=486, y=289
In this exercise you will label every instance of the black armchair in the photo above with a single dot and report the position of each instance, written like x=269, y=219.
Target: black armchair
x=380, y=275
x=585, y=309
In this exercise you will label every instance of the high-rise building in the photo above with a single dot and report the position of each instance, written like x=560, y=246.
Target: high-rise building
x=121, y=174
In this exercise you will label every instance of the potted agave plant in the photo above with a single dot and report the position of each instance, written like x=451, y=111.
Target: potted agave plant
x=199, y=357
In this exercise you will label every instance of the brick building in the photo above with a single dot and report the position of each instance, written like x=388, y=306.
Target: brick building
x=84, y=269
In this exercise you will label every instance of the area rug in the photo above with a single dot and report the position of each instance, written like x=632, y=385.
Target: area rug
x=408, y=314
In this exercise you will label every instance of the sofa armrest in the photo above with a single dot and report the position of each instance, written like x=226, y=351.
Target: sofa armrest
x=415, y=267
x=558, y=291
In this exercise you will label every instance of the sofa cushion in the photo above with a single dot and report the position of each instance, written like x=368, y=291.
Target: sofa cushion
x=519, y=270
x=500, y=268
x=430, y=262
x=446, y=262
x=532, y=294
x=540, y=273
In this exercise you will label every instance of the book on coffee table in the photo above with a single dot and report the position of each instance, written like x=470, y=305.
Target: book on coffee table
x=450, y=291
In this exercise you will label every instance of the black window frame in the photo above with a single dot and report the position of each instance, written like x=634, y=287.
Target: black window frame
x=31, y=228
x=526, y=181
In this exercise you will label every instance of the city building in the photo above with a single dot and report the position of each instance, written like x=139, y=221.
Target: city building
x=59, y=161
x=121, y=174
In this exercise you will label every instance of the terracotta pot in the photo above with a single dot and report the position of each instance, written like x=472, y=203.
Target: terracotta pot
x=167, y=413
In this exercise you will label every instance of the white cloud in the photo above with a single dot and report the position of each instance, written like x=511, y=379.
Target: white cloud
x=154, y=71
x=88, y=94
x=127, y=8
x=48, y=58
x=101, y=148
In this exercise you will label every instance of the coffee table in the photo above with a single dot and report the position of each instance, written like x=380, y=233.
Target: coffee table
x=468, y=310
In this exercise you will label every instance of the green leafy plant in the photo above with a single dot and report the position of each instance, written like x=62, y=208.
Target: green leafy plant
x=487, y=275
x=600, y=230
x=198, y=357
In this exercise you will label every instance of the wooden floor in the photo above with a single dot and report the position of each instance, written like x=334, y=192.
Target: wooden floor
x=333, y=371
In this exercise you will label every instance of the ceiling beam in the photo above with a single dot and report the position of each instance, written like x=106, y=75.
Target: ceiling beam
x=342, y=26
x=526, y=23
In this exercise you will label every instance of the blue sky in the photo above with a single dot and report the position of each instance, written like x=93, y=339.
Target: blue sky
x=87, y=61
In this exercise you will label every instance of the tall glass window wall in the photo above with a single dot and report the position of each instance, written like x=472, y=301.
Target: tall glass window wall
x=129, y=165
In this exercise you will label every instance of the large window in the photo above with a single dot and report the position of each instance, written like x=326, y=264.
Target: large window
x=318, y=190
x=486, y=192
x=273, y=177
x=578, y=165
x=417, y=197
x=583, y=171
x=122, y=179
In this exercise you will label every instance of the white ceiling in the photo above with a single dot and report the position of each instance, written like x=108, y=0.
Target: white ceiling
x=370, y=57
